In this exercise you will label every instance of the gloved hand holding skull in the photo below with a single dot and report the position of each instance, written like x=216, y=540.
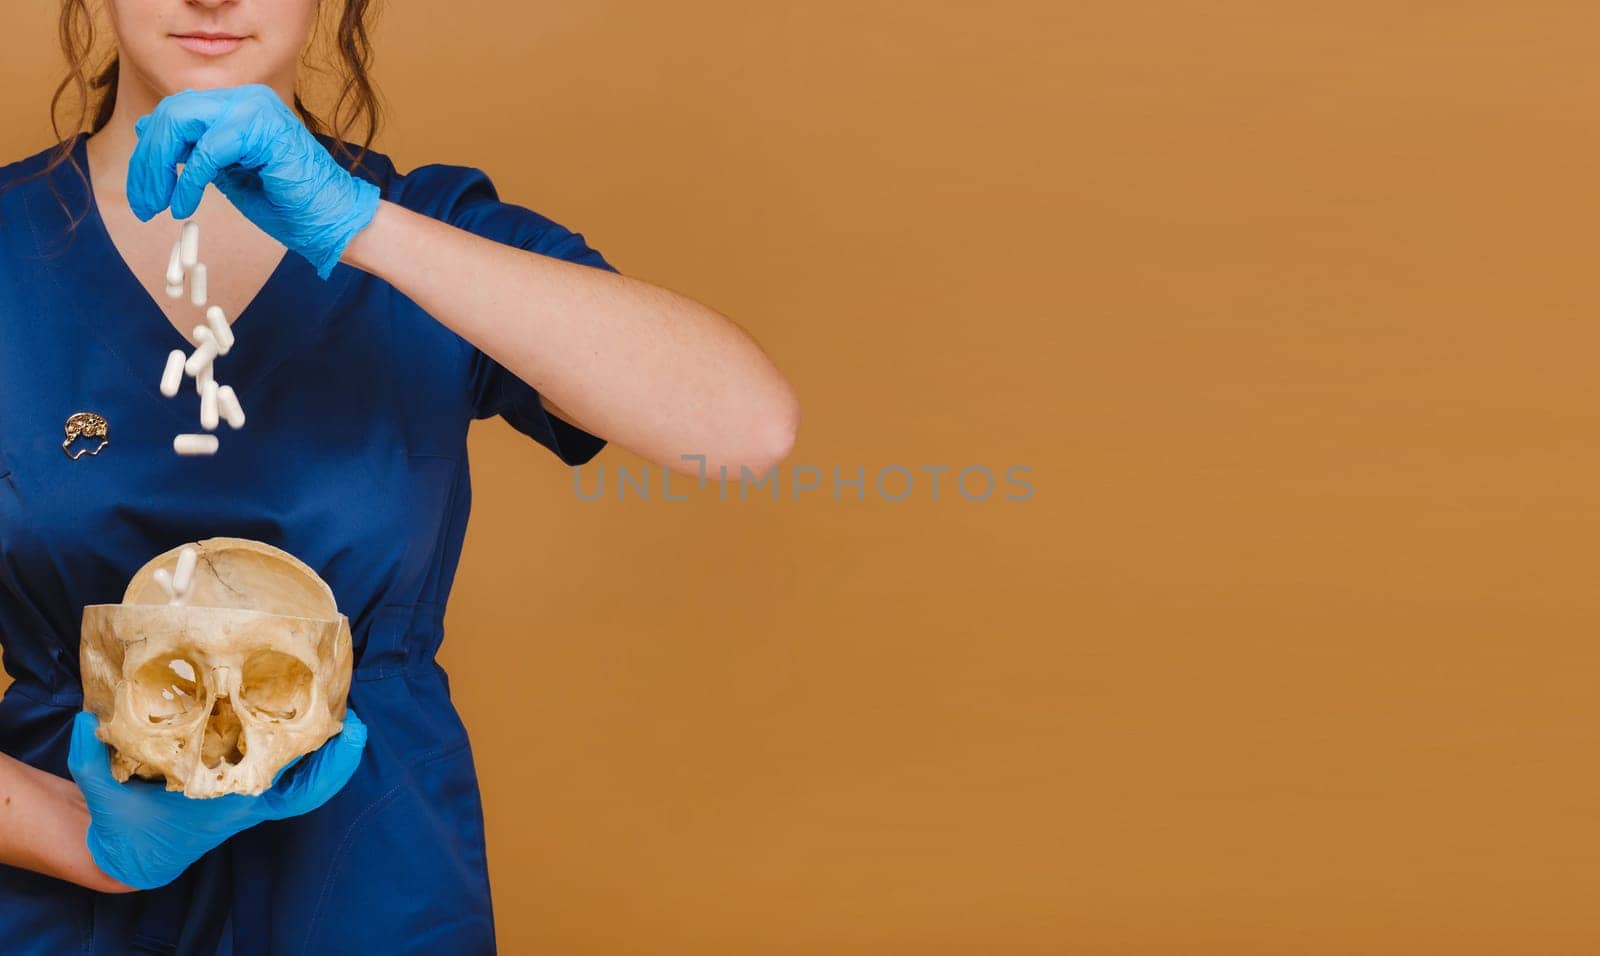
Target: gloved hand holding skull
x=216, y=690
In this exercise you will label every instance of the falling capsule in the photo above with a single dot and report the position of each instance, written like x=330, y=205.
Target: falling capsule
x=197, y=284
x=175, y=266
x=195, y=444
x=220, y=329
x=208, y=406
x=203, y=353
x=189, y=244
x=228, y=402
x=172, y=375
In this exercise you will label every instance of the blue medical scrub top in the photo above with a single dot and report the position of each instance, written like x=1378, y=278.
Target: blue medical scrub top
x=354, y=459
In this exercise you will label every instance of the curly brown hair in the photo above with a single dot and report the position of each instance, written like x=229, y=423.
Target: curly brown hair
x=356, y=105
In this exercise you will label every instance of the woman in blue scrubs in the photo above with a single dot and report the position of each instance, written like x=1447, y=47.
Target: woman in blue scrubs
x=377, y=314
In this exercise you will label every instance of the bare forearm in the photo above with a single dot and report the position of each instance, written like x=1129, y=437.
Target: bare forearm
x=43, y=821
x=639, y=365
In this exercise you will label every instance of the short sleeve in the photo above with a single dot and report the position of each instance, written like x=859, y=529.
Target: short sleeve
x=466, y=198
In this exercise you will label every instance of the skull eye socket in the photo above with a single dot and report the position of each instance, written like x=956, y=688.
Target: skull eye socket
x=275, y=686
x=167, y=689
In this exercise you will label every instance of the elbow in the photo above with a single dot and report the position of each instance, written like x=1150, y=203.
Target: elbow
x=773, y=434
x=784, y=429
x=749, y=446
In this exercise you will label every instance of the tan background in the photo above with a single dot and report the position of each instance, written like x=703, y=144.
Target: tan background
x=1290, y=308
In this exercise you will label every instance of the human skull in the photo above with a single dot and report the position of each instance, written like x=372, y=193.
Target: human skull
x=216, y=690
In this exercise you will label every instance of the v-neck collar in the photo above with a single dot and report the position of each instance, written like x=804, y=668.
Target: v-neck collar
x=119, y=311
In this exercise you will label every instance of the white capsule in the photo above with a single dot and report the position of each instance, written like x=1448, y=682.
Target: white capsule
x=197, y=284
x=201, y=379
x=189, y=244
x=204, y=353
x=164, y=578
x=220, y=328
x=208, y=406
x=231, y=409
x=183, y=574
x=203, y=335
x=175, y=265
x=175, y=291
x=172, y=375
x=195, y=444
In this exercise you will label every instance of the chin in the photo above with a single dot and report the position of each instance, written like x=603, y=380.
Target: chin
x=205, y=78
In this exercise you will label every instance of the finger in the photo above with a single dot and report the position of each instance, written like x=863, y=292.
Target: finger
x=169, y=135
x=325, y=773
x=218, y=147
x=88, y=760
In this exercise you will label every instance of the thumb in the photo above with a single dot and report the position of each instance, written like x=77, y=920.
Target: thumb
x=325, y=773
x=88, y=760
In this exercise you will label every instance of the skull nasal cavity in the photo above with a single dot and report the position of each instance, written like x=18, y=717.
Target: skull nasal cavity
x=224, y=743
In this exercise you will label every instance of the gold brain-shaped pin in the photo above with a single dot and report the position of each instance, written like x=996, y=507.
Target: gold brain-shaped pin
x=86, y=425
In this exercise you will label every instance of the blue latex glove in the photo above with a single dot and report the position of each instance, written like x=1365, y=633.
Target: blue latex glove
x=262, y=157
x=144, y=835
